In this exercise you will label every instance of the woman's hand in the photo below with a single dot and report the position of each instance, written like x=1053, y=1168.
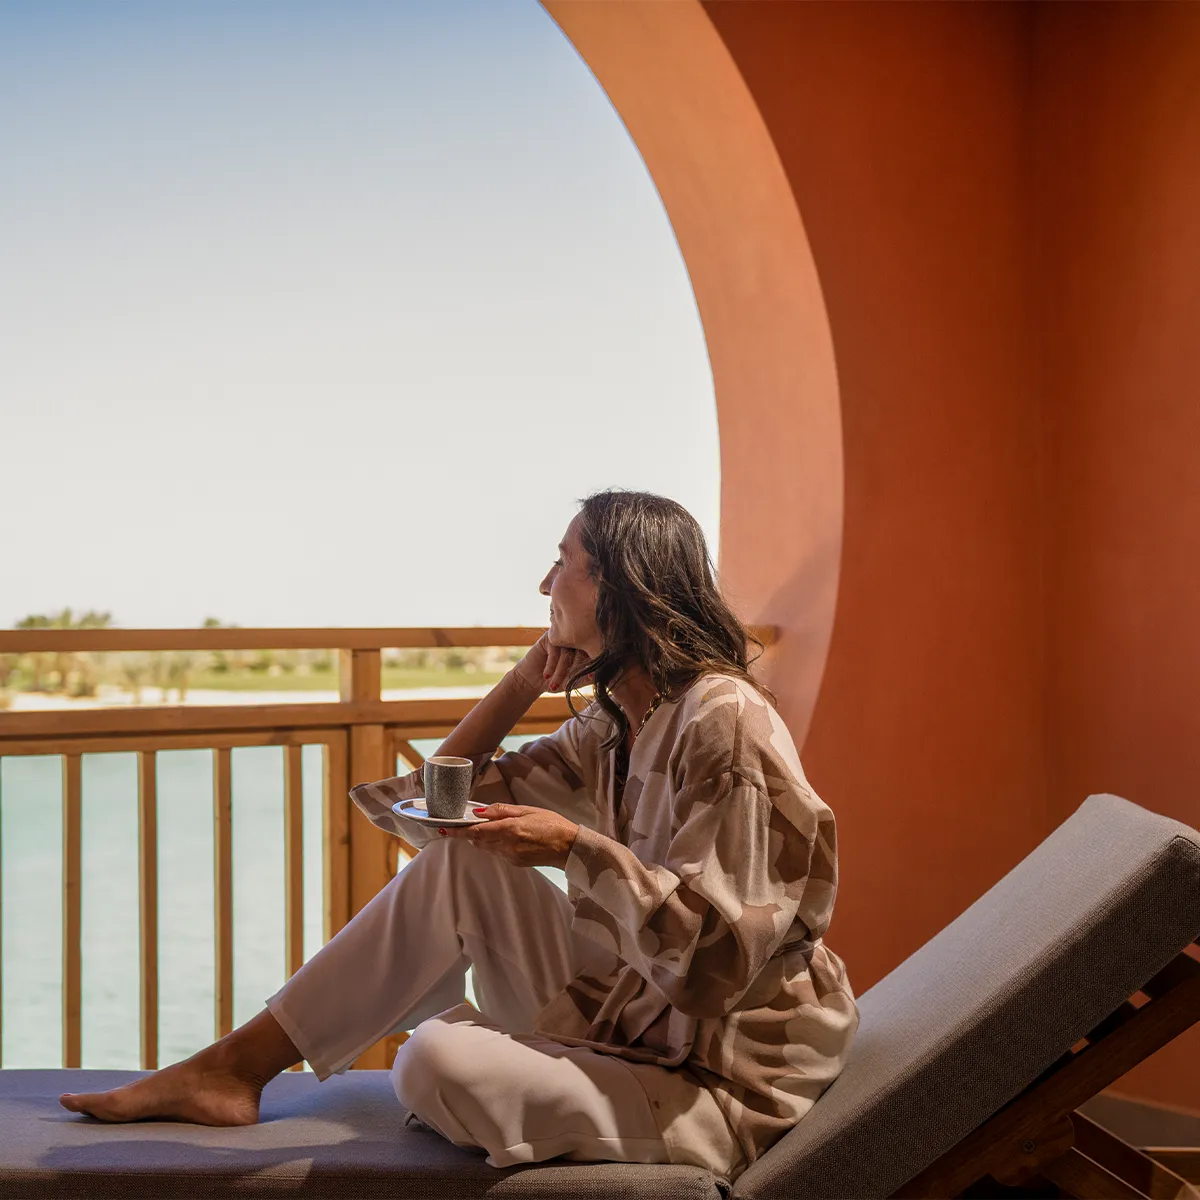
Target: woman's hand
x=548, y=667
x=520, y=834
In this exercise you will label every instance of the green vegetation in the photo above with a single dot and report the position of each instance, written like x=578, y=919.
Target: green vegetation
x=174, y=673
x=393, y=677
x=67, y=674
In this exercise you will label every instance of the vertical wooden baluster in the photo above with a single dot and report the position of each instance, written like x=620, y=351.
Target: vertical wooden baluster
x=369, y=748
x=72, y=869
x=414, y=760
x=371, y=757
x=148, y=903
x=223, y=888
x=336, y=830
x=293, y=858
x=293, y=862
x=1, y=912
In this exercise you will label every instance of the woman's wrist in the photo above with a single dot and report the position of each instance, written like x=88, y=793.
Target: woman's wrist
x=536, y=688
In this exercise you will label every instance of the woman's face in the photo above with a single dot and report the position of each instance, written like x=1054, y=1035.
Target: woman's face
x=572, y=593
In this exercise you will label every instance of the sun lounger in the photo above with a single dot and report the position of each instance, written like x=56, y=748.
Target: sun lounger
x=971, y=1062
x=970, y=1059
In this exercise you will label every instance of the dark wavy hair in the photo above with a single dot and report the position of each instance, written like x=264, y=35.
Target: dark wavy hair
x=657, y=603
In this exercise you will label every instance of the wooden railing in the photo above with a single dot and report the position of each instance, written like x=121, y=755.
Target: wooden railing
x=363, y=736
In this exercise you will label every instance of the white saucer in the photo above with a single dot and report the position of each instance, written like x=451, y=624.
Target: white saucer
x=414, y=810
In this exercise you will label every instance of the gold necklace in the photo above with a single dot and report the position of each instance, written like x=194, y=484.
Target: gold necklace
x=649, y=712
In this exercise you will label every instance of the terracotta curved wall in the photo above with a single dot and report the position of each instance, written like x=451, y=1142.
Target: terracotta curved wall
x=1003, y=206
x=676, y=88
x=1117, y=175
x=901, y=130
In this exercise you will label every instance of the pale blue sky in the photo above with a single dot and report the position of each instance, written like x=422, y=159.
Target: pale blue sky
x=324, y=313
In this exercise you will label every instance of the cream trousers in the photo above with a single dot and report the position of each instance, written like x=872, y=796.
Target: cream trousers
x=482, y=1078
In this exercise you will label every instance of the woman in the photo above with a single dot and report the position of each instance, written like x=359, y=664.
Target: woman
x=678, y=1003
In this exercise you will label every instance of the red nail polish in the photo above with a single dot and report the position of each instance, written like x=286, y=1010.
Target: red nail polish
x=479, y=811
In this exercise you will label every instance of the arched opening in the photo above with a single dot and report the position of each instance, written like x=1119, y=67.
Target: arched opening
x=677, y=89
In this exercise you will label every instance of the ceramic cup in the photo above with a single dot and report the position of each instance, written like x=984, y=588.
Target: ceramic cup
x=447, y=786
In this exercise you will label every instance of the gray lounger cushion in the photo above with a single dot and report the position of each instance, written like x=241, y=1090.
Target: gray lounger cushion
x=345, y=1137
x=980, y=1011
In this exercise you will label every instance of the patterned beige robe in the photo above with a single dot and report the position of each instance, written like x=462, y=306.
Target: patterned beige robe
x=711, y=879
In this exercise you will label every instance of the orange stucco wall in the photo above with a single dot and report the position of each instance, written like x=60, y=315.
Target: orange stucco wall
x=1117, y=176
x=902, y=131
x=1002, y=203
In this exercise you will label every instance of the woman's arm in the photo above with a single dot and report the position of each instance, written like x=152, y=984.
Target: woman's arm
x=492, y=719
x=701, y=925
x=545, y=668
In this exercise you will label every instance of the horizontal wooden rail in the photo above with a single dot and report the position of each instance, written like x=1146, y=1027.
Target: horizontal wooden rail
x=150, y=742
x=133, y=720
x=29, y=641
x=527, y=727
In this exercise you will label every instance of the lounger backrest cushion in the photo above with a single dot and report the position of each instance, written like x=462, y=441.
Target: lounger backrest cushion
x=980, y=1011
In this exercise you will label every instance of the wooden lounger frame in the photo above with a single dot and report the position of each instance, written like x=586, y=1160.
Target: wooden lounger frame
x=1039, y=1140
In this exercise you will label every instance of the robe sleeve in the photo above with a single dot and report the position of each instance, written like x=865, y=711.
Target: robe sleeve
x=554, y=772
x=702, y=924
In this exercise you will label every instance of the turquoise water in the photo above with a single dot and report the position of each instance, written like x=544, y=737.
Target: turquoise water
x=31, y=891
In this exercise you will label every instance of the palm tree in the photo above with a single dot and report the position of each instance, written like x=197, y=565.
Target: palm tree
x=37, y=663
x=133, y=671
x=8, y=665
x=90, y=663
x=64, y=662
x=181, y=665
x=218, y=658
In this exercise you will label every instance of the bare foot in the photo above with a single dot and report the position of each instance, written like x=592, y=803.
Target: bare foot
x=204, y=1089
